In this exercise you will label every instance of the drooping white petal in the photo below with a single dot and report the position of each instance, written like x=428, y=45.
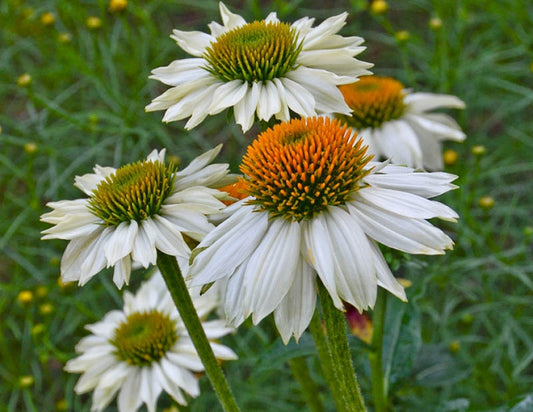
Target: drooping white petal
x=408, y=235
x=245, y=108
x=144, y=250
x=405, y=204
x=323, y=86
x=271, y=268
x=432, y=127
x=228, y=245
x=121, y=241
x=318, y=250
x=181, y=72
x=294, y=313
x=424, y=102
x=129, y=398
x=406, y=179
x=385, y=277
x=355, y=272
x=227, y=95
x=398, y=141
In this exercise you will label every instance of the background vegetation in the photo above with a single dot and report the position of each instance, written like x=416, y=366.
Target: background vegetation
x=72, y=94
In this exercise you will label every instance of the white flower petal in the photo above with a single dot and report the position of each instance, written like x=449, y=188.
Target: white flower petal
x=120, y=243
x=408, y=235
x=295, y=311
x=228, y=245
x=271, y=268
x=355, y=272
x=319, y=250
x=228, y=95
x=424, y=102
x=405, y=204
x=406, y=179
x=129, y=399
x=193, y=42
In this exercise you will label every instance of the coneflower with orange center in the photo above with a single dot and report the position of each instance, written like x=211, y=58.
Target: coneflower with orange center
x=317, y=205
x=398, y=124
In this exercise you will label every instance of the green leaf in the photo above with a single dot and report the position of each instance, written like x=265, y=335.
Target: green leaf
x=401, y=341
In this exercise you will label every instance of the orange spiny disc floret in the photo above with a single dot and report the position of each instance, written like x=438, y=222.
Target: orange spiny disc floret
x=297, y=169
x=374, y=100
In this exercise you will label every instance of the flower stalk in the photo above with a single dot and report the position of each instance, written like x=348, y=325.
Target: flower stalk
x=379, y=389
x=180, y=295
x=309, y=389
x=346, y=379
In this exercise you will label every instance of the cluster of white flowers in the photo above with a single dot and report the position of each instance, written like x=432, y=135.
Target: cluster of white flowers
x=315, y=200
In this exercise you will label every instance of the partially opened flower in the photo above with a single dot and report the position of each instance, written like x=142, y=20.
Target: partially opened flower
x=317, y=206
x=401, y=125
x=132, y=212
x=261, y=69
x=144, y=349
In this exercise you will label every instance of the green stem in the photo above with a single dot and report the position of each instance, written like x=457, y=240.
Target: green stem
x=379, y=389
x=309, y=389
x=340, y=352
x=325, y=360
x=180, y=294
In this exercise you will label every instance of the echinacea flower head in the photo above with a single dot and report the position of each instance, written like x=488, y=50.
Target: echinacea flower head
x=144, y=349
x=317, y=206
x=401, y=125
x=261, y=70
x=133, y=211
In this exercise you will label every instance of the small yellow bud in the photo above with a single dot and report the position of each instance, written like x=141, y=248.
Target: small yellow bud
x=24, y=80
x=435, y=23
x=379, y=7
x=61, y=405
x=47, y=18
x=37, y=329
x=528, y=231
x=402, y=36
x=116, y=6
x=478, y=150
x=46, y=308
x=486, y=202
x=454, y=346
x=450, y=157
x=30, y=148
x=26, y=381
x=406, y=283
x=64, y=37
x=41, y=291
x=25, y=296
x=93, y=22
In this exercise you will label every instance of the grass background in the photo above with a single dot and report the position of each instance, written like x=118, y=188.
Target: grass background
x=464, y=341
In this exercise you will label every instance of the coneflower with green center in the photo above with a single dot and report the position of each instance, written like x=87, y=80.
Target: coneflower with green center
x=261, y=70
x=317, y=205
x=145, y=349
x=134, y=211
x=399, y=125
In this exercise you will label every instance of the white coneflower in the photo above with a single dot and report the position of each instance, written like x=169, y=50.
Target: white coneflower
x=132, y=212
x=398, y=124
x=261, y=69
x=144, y=349
x=317, y=207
